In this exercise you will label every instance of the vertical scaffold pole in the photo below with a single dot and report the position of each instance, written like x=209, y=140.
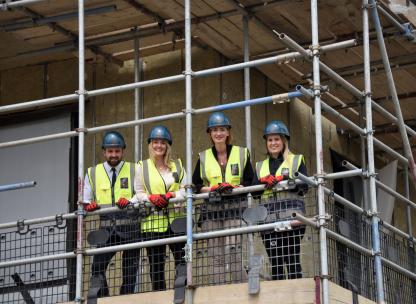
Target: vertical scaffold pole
x=393, y=91
x=375, y=234
x=81, y=129
x=319, y=152
x=247, y=82
x=189, y=195
x=138, y=130
x=247, y=96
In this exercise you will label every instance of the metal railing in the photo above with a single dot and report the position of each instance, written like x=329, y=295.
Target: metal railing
x=40, y=267
x=37, y=259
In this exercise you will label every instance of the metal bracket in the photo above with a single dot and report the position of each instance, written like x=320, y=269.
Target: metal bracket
x=60, y=222
x=370, y=5
x=256, y=263
x=315, y=49
x=282, y=226
x=186, y=73
x=84, y=92
x=5, y=6
x=188, y=253
x=365, y=94
x=81, y=130
x=375, y=253
x=190, y=111
x=21, y=227
x=81, y=212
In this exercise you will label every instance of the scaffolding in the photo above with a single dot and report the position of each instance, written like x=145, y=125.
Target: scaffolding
x=315, y=95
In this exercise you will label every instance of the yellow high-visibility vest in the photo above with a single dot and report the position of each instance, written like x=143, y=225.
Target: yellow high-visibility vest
x=291, y=164
x=211, y=171
x=100, y=182
x=154, y=184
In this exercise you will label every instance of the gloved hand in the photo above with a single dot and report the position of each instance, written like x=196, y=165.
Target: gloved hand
x=282, y=178
x=122, y=203
x=158, y=200
x=168, y=196
x=91, y=207
x=223, y=188
x=269, y=181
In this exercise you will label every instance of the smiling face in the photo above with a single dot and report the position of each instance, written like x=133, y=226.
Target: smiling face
x=219, y=134
x=275, y=144
x=159, y=147
x=113, y=156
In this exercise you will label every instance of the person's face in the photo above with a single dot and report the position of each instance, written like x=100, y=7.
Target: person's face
x=159, y=147
x=219, y=134
x=274, y=144
x=113, y=156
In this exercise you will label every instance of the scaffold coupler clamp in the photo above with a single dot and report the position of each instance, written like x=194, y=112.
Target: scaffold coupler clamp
x=256, y=264
x=315, y=50
x=320, y=178
x=5, y=6
x=370, y=5
x=21, y=227
x=282, y=226
x=81, y=92
x=187, y=73
x=59, y=221
x=409, y=32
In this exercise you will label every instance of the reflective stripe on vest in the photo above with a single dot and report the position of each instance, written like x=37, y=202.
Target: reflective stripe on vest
x=292, y=163
x=210, y=169
x=101, y=184
x=154, y=184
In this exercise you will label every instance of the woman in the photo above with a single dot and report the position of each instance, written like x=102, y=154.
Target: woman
x=283, y=248
x=220, y=169
x=158, y=179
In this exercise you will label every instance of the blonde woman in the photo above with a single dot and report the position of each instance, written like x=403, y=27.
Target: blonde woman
x=283, y=248
x=158, y=179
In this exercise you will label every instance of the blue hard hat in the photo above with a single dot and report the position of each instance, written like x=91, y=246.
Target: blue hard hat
x=276, y=127
x=159, y=132
x=113, y=139
x=218, y=119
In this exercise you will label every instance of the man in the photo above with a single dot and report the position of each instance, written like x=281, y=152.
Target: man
x=106, y=185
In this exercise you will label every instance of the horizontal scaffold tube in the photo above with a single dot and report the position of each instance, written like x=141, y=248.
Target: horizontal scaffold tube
x=164, y=241
x=7, y=5
x=239, y=104
x=282, y=186
x=17, y=186
x=283, y=58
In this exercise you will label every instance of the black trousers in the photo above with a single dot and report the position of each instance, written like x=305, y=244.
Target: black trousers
x=130, y=264
x=157, y=257
x=283, y=249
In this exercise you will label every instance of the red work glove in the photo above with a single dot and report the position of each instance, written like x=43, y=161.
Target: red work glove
x=223, y=188
x=122, y=203
x=269, y=181
x=169, y=195
x=158, y=200
x=91, y=207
